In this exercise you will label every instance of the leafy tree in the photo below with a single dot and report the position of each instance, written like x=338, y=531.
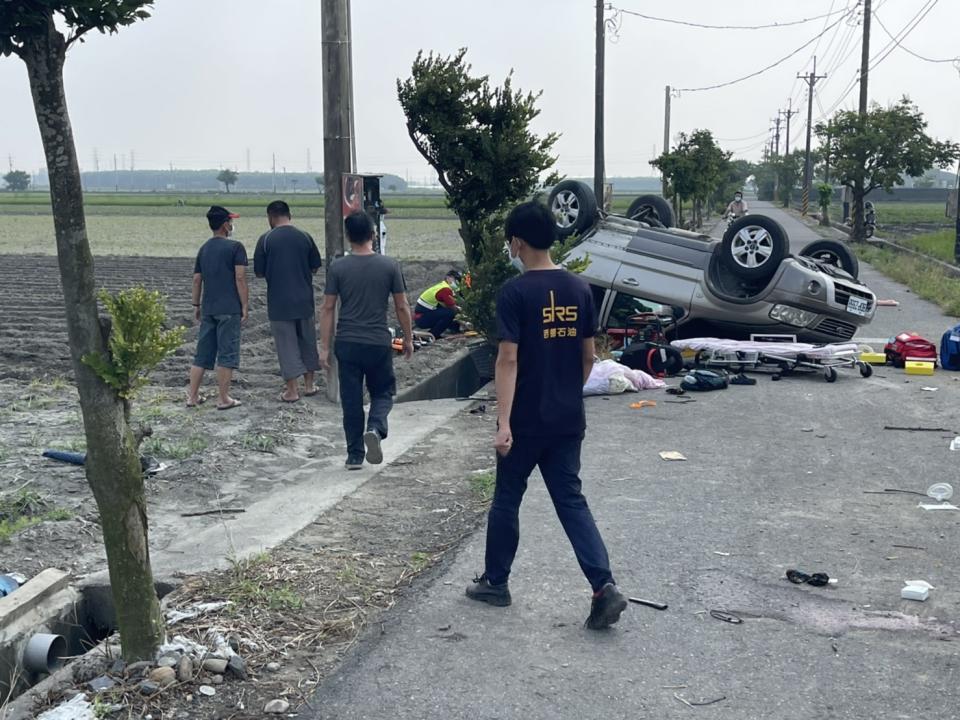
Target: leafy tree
x=695, y=170
x=17, y=180
x=319, y=181
x=138, y=341
x=40, y=32
x=228, y=177
x=732, y=181
x=477, y=139
x=876, y=150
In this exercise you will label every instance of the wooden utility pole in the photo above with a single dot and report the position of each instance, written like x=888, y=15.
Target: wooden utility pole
x=811, y=80
x=666, y=129
x=337, y=111
x=865, y=58
x=598, y=169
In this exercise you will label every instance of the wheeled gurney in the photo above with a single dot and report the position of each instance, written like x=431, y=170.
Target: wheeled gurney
x=783, y=358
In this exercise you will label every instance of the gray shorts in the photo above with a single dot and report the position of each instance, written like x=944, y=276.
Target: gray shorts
x=218, y=342
x=296, y=342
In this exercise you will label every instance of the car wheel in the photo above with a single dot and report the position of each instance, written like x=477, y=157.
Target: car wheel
x=753, y=247
x=574, y=206
x=833, y=253
x=653, y=210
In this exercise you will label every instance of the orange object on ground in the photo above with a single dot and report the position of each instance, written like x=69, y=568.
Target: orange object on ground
x=643, y=404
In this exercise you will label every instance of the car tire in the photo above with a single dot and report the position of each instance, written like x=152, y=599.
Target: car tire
x=753, y=247
x=653, y=210
x=833, y=253
x=574, y=207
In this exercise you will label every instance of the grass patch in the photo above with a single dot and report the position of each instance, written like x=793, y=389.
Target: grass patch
x=251, y=583
x=419, y=560
x=923, y=278
x=937, y=244
x=174, y=450
x=483, y=485
x=906, y=213
x=24, y=509
x=260, y=443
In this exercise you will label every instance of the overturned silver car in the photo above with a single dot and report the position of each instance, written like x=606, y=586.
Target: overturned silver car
x=744, y=284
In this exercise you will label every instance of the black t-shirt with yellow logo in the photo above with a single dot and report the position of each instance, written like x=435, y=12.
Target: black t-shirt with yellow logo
x=548, y=313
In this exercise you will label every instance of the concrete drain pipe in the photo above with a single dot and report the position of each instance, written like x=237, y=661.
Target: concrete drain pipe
x=44, y=653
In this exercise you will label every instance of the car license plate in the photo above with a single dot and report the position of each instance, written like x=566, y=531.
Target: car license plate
x=858, y=306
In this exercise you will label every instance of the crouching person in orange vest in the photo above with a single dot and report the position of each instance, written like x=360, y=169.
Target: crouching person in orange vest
x=437, y=306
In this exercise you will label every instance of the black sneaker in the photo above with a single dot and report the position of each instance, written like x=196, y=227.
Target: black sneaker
x=354, y=462
x=371, y=439
x=606, y=608
x=483, y=590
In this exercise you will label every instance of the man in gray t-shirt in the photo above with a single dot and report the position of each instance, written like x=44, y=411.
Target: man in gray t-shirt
x=363, y=282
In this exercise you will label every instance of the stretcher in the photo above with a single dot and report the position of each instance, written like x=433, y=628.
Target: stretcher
x=782, y=358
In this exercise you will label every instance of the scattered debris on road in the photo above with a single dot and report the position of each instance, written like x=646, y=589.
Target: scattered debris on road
x=672, y=455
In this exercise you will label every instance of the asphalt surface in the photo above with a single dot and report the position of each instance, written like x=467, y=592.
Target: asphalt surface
x=779, y=475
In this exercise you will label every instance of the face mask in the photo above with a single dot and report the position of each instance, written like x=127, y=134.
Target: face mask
x=454, y=285
x=737, y=198
x=515, y=261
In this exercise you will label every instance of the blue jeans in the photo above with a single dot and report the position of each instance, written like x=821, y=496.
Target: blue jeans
x=358, y=363
x=218, y=341
x=559, y=461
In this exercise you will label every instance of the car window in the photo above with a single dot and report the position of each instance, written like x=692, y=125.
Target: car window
x=626, y=306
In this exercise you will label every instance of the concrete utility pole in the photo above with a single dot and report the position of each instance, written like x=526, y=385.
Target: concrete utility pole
x=666, y=129
x=811, y=80
x=273, y=170
x=777, y=134
x=788, y=113
x=248, y=159
x=865, y=58
x=337, y=111
x=598, y=169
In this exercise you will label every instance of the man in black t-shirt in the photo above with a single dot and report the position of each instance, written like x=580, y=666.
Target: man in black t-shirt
x=545, y=320
x=288, y=258
x=220, y=275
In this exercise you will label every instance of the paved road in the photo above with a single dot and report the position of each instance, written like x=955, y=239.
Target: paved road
x=778, y=475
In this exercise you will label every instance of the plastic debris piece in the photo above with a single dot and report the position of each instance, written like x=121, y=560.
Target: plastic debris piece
x=671, y=455
x=642, y=404
x=77, y=708
x=955, y=443
x=940, y=506
x=940, y=491
x=920, y=583
x=914, y=592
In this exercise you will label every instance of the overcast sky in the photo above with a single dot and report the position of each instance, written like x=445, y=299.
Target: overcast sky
x=203, y=82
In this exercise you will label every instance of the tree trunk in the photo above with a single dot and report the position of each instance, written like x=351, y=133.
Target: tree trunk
x=112, y=466
x=825, y=215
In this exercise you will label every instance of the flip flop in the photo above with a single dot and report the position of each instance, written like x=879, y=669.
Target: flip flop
x=283, y=399
x=311, y=393
x=235, y=403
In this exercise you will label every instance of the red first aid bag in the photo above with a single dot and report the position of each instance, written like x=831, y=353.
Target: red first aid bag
x=909, y=346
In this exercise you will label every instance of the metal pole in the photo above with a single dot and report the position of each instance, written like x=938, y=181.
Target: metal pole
x=666, y=130
x=598, y=169
x=811, y=80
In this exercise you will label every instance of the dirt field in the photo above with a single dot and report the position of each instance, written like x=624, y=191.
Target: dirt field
x=212, y=457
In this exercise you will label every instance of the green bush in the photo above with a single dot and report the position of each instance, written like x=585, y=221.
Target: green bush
x=825, y=193
x=138, y=341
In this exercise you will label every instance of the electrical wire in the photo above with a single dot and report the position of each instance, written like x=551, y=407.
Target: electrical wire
x=727, y=27
x=895, y=41
x=908, y=50
x=749, y=137
x=763, y=70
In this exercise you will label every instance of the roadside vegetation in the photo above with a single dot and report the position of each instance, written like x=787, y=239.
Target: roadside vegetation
x=923, y=278
x=23, y=509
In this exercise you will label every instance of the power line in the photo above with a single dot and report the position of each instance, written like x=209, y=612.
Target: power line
x=727, y=27
x=911, y=52
x=895, y=41
x=749, y=137
x=782, y=60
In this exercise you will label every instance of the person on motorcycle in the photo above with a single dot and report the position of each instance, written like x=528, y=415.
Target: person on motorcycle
x=737, y=207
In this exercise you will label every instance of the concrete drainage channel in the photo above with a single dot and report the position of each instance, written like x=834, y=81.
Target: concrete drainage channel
x=47, y=621
x=462, y=378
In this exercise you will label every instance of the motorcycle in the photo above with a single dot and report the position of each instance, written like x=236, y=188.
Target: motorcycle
x=869, y=219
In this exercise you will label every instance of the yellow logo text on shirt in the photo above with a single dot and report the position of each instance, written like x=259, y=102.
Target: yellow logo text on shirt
x=559, y=313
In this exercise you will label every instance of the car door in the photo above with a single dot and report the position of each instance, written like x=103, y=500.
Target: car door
x=656, y=280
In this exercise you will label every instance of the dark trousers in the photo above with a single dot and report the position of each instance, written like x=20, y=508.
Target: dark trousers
x=436, y=320
x=559, y=461
x=358, y=363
